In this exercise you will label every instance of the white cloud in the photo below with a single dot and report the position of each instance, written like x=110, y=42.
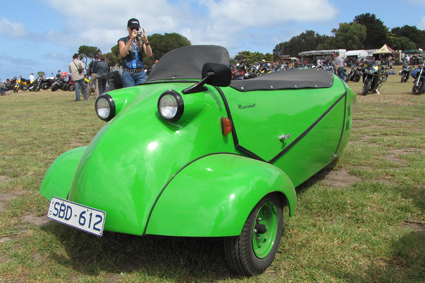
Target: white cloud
x=14, y=30
x=270, y=12
x=220, y=22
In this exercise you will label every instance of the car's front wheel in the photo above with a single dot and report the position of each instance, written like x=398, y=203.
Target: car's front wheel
x=254, y=249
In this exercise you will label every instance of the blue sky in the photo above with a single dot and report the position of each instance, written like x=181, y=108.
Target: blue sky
x=42, y=35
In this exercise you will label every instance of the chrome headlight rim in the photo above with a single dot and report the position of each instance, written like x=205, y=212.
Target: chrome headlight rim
x=179, y=104
x=112, y=109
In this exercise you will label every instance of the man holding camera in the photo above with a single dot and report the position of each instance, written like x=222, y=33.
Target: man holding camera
x=76, y=68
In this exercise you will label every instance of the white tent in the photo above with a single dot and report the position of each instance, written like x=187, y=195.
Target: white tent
x=356, y=53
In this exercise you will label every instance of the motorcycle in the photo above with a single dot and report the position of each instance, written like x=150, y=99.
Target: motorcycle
x=419, y=82
x=71, y=86
x=15, y=84
x=58, y=84
x=46, y=83
x=251, y=73
x=372, y=79
x=278, y=68
x=355, y=74
x=23, y=84
x=405, y=73
x=384, y=73
x=66, y=83
x=237, y=73
x=326, y=66
x=35, y=85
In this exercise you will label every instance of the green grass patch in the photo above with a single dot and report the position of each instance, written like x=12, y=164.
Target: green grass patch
x=370, y=229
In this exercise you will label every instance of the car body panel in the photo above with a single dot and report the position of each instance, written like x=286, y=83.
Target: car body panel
x=60, y=175
x=212, y=196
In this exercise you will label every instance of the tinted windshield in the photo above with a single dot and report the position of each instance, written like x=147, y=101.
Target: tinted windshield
x=187, y=62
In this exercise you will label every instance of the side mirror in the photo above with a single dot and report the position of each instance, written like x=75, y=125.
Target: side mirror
x=219, y=74
x=114, y=80
x=213, y=74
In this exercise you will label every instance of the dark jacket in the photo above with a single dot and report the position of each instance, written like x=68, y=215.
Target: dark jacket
x=131, y=54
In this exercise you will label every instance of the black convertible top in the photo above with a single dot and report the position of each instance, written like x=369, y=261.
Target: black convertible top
x=287, y=79
x=187, y=62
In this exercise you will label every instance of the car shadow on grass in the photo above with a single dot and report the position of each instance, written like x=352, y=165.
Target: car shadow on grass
x=338, y=179
x=120, y=255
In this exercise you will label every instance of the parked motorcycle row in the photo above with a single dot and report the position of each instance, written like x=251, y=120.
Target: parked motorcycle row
x=62, y=83
x=244, y=72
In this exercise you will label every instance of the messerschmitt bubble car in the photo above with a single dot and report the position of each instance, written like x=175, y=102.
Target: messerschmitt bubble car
x=191, y=153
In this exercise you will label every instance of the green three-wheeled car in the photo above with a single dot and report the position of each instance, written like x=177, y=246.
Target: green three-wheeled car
x=191, y=153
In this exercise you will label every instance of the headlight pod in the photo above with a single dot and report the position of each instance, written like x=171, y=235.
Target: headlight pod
x=171, y=106
x=105, y=107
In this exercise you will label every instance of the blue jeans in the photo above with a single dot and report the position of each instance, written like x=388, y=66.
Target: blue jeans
x=77, y=89
x=132, y=79
x=342, y=74
x=102, y=84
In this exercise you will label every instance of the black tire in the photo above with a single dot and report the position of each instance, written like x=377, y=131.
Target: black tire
x=55, y=88
x=416, y=90
x=402, y=78
x=65, y=87
x=384, y=78
x=366, y=87
x=251, y=256
x=71, y=88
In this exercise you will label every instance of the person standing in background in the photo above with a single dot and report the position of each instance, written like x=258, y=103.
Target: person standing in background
x=92, y=72
x=76, y=68
x=102, y=74
x=340, y=66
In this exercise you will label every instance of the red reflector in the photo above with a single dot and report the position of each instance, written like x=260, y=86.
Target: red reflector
x=226, y=126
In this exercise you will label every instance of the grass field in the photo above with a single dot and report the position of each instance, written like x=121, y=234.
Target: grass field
x=361, y=219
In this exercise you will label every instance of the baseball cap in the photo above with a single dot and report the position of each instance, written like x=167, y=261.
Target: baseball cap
x=133, y=23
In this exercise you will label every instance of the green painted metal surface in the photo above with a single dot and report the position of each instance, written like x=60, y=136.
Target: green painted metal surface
x=214, y=195
x=156, y=177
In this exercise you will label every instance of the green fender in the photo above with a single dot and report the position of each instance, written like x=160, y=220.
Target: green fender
x=60, y=175
x=214, y=195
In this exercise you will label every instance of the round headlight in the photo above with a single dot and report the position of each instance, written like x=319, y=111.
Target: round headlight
x=105, y=107
x=171, y=106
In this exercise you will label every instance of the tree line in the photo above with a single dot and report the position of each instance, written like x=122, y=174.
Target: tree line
x=366, y=31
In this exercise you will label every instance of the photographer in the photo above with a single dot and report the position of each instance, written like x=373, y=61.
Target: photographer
x=131, y=49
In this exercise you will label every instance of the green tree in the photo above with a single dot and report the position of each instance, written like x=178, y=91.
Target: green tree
x=403, y=43
x=412, y=33
x=349, y=36
x=162, y=44
x=376, y=35
x=87, y=53
x=308, y=40
x=114, y=56
x=251, y=57
x=40, y=74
